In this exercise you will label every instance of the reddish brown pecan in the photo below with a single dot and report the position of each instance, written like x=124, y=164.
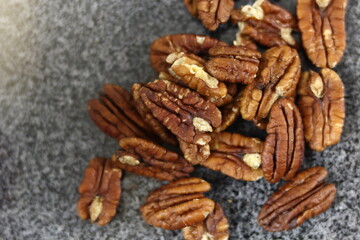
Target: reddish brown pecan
x=214, y=227
x=194, y=153
x=178, y=204
x=144, y=157
x=322, y=107
x=187, y=43
x=304, y=196
x=100, y=191
x=322, y=27
x=236, y=156
x=232, y=91
x=163, y=133
x=284, y=145
x=265, y=23
x=229, y=113
x=115, y=114
x=233, y=63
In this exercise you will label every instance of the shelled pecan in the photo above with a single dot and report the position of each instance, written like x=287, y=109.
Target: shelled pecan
x=178, y=204
x=187, y=43
x=236, y=156
x=100, y=191
x=284, y=145
x=232, y=91
x=304, y=196
x=322, y=27
x=322, y=107
x=214, y=227
x=229, y=113
x=265, y=23
x=143, y=157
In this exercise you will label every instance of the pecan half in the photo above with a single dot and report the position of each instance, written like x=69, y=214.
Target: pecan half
x=178, y=204
x=322, y=27
x=236, y=156
x=187, y=43
x=284, y=145
x=100, y=191
x=115, y=114
x=233, y=63
x=322, y=107
x=163, y=133
x=304, y=196
x=144, y=157
x=213, y=12
x=214, y=227
x=265, y=23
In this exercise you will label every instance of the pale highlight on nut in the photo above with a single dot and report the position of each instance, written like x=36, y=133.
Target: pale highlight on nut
x=207, y=236
x=202, y=125
x=200, y=40
x=253, y=160
x=255, y=10
x=172, y=57
x=286, y=35
x=238, y=39
x=323, y=3
x=95, y=208
x=129, y=160
x=317, y=86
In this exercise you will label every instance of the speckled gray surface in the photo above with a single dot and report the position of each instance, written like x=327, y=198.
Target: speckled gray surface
x=55, y=55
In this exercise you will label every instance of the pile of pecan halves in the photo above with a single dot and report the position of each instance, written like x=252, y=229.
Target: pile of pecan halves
x=204, y=86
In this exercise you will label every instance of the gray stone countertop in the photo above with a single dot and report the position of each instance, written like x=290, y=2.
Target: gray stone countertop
x=56, y=55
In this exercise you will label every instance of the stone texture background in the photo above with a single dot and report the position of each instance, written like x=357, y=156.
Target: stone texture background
x=55, y=55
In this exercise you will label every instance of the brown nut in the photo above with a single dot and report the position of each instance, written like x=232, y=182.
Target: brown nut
x=194, y=153
x=163, y=133
x=322, y=107
x=187, y=43
x=232, y=91
x=236, y=156
x=265, y=23
x=213, y=12
x=191, y=7
x=115, y=114
x=144, y=157
x=284, y=145
x=304, y=196
x=214, y=227
x=229, y=113
x=322, y=27
x=100, y=191
x=233, y=63
x=178, y=204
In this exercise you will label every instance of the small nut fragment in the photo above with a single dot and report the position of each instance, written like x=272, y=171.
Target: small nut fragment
x=284, y=145
x=100, y=191
x=214, y=227
x=322, y=27
x=195, y=153
x=304, y=196
x=145, y=158
x=322, y=107
x=253, y=160
x=230, y=113
x=178, y=204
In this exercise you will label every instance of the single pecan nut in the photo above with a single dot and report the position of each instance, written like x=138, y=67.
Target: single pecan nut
x=158, y=129
x=322, y=107
x=190, y=71
x=184, y=112
x=178, y=204
x=233, y=63
x=322, y=27
x=115, y=114
x=236, y=156
x=284, y=145
x=100, y=191
x=187, y=43
x=265, y=23
x=304, y=196
x=215, y=227
x=213, y=12
x=143, y=157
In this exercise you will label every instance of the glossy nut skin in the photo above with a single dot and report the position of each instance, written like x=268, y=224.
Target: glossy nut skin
x=284, y=145
x=227, y=156
x=215, y=227
x=100, y=191
x=233, y=63
x=187, y=43
x=194, y=153
x=322, y=107
x=303, y=197
x=322, y=30
x=115, y=114
x=230, y=113
x=265, y=23
x=143, y=157
x=178, y=204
